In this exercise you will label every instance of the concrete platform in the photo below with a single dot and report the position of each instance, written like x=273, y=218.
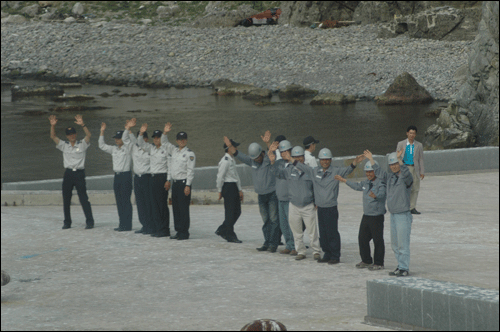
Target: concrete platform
x=100, y=279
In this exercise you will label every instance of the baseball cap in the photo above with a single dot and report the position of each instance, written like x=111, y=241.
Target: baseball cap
x=279, y=138
x=70, y=130
x=118, y=134
x=309, y=140
x=182, y=135
x=156, y=133
x=145, y=135
x=233, y=143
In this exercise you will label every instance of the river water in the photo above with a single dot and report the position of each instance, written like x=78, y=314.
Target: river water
x=29, y=154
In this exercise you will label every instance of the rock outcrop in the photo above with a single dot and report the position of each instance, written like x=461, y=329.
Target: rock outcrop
x=305, y=13
x=294, y=91
x=332, y=99
x=477, y=99
x=228, y=88
x=404, y=90
x=28, y=91
x=218, y=16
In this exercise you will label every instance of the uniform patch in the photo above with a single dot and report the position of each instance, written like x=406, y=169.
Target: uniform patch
x=226, y=158
x=319, y=177
x=192, y=158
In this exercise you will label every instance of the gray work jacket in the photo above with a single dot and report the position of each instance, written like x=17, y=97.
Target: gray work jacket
x=300, y=184
x=264, y=181
x=398, y=188
x=326, y=188
x=371, y=206
x=282, y=191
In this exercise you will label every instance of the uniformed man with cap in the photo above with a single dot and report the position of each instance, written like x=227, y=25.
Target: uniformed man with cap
x=301, y=199
x=372, y=223
x=310, y=146
x=158, y=156
x=74, y=153
x=122, y=183
x=229, y=186
x=180, y=178
x=142, y=178
x=399, y=182
x=264, y=182
x=326, y=191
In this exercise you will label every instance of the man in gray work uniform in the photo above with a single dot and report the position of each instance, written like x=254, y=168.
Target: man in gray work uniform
x=122, y=182
x=399, y=182
x=74, y=153
x=142, y=178
x=181, y=166
x=372, y=223
x=264, y=182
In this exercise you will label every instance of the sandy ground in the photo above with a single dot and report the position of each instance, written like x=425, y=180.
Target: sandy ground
x=100, y=279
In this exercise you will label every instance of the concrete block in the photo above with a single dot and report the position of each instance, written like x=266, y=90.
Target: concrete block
x=427, y=313
x=412, y=306
x=377, y=300
x=458, y=313
x=440, y=311
x=394, y=303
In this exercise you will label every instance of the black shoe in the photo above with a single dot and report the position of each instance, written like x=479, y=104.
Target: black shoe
x=272, y=249
x=180, y=238
x=233, y=240
x=217, y=232
x=323, y=260
x=66, y=226
x=414, y=211
x=160, y=235
x=89, y=226
x=395, y=272
x=139, y=231
x=174, y=237
x=333, y=261
x=117, y=229
x=147, y=232
x=281, y=243
x=263, y=248
x=402, y=273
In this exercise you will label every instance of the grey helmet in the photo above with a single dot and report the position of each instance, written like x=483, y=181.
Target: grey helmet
x=325, y=154
x=254, y=150
x=297, y=151
x=368, y=166
x=285, y=145
x=392, y=158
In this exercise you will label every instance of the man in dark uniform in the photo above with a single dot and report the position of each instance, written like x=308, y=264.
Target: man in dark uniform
x=181, y=173
x=74, y=153
x=122, y=183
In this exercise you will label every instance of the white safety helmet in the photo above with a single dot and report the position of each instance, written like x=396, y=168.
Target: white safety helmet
x=325, y=154
x=254, y=150
x=393, y=158
x=297, y=151
x=368, y=166
x=285, y=145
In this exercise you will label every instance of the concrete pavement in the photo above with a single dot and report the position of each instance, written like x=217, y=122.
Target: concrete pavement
x=100, y=279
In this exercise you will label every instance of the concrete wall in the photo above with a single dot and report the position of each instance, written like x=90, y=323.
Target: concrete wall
x=415, y=303
x=441, y=161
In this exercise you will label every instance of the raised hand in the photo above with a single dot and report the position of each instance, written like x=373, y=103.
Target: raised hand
x=227, y=141
x=144, y=127
x=368, y=154
x=359, y=159
x=287, y=156
x=130, y=123
x=400, y=152
x=168, y=127
x=103, y=127
x=79, y=120
x=53, y=120
x=267, y=136
x=339, y=178
x=274, y=146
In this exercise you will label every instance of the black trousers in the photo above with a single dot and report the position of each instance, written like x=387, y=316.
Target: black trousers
x=159, y=202
x=372, y=227
x=76, y=179
x=232, y=209
x=180, y=207
x=142, y=190
x=122, y=186
x=329, y=236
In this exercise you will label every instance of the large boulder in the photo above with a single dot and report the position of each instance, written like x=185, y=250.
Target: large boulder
x=31, y=11
x=404, y=90
x=451, y=131
x=14, y=19
x=305, y=13
x=332, y=99
x=295, y=90
x=77, y=9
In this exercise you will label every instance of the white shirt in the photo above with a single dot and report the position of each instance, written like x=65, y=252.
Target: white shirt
x=122, y=156
x=158, y=156
x=181, y=162
x=227, y=172
x=310, y=160
x=139, y=155
x=73, y=156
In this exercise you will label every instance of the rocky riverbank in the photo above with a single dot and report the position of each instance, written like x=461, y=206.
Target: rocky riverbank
x=349, y=60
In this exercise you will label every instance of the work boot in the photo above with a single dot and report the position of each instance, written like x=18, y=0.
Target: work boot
x=272, y=249
x=285, y=251
x=263, y=248
x=414, y=211
x=362, y=265
x=333, y=261
x=323, y=260
x=293, y=253
x=316, y=256
x=300, y=257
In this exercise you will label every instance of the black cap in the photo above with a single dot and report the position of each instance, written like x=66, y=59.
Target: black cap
x=309, y=140
x=156, y=133
x=118, y=134
x=233, y=143
x=145, y=135
x=70, y=130
x=279, y=138
x=182, y=135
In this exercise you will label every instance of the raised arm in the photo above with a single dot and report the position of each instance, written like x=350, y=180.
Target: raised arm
x=164, y=139
x=140, y=139
x=103, y=146
x=53, y=121
x=271, y=153
x=378, y=171
x=354, y=185
x=79, y=121
x=267, y=138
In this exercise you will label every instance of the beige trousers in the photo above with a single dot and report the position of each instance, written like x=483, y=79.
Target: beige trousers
x=415, y=187
x=295, y=217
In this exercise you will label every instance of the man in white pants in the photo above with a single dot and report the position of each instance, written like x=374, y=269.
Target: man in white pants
x=301, y=202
